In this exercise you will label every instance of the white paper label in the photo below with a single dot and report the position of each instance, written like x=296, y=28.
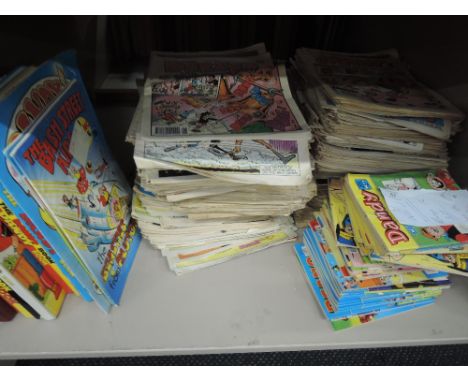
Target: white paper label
x=423, y=208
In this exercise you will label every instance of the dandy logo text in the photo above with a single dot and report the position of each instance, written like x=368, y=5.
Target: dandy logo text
x=393, y=233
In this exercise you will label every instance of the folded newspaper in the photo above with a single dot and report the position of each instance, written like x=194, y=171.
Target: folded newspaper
x=222, y=152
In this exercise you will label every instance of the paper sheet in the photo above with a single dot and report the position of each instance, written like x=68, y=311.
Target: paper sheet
x=423, y=208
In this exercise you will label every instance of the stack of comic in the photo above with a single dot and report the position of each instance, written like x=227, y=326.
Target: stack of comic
x=65, y=222
x=363, y=264
x=374, y=116
x=222, y=153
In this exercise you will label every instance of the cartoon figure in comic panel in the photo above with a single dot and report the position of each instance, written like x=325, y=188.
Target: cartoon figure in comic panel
x=443, y=182
x=458, y=262
x=22, y=264
x=344, y=233
x=251, y=99
x=98, y=205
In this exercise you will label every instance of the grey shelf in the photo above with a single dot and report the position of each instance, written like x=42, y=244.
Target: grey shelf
x=259, y=302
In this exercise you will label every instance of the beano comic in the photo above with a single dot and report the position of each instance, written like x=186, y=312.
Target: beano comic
x=58, y=162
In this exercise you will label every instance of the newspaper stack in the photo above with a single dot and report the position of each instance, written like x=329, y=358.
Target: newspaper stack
x=364, y=264
x=223, y=159
x=374, y=117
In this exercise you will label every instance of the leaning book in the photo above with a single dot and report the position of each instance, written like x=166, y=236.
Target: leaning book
x=61, y=179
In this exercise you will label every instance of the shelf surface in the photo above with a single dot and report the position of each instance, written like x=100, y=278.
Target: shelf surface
x=259, y=302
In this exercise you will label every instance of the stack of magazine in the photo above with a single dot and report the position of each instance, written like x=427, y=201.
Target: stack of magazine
x=65, y=219
x=222, y=153
x=371, y=115
x=363, y=263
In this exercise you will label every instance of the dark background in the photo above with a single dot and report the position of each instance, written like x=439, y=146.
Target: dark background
x=435, y=48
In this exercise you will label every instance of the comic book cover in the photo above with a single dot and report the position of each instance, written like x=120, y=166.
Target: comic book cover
x=248, y=105
x=17, y=228
x=28, y=105
x=17, y=111
x=21, y=271
x=390, y=236
x=15, y=301
x=62, y=160
x=339, y=213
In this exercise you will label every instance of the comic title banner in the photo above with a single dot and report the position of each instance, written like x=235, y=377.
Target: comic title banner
x=54, y=147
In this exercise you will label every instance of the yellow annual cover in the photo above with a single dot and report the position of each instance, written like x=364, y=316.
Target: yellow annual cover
x=10, y=220
x=386, y=235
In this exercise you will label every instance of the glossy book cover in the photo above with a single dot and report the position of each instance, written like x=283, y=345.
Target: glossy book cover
x=59, y=159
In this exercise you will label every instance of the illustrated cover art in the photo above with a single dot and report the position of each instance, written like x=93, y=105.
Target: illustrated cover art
x=41, y=114
x=17, y=228
x=254, y=102
x=14, y=300
x=396, y=237
x=39, y=287
x=24, y=99
x=65, y=164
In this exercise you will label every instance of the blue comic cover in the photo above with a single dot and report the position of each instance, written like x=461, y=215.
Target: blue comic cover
x=60, y=160
x=18, y=90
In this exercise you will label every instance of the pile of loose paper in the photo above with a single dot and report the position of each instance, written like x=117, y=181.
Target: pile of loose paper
x=368, y=254
x=374, y=117
x=222, y=154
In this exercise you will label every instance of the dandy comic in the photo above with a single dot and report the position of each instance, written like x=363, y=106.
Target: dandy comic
x=396, y=238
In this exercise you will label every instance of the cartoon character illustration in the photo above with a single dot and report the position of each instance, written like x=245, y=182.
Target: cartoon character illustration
x=458, y=262
x=99, y=170
x=166, y=111
x=71, y=202
x=95, y=238
x=85, y=125
x=451, y=231
x=435, y=182
x=206, y=86
x=344, y=234
x=103, y=196
x=22, y=264
x=82, y=183
x=401, y=184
